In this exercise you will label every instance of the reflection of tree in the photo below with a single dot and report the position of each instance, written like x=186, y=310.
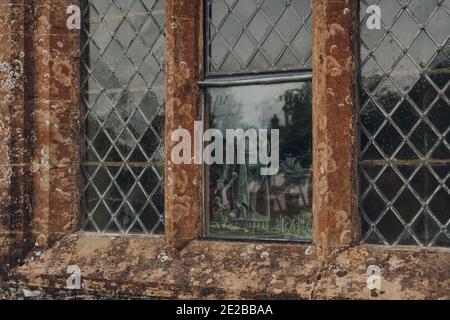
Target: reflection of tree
x=295, y=149
x=225, y=111
x=439, y=70
x=241, y=199
x=296, y=135
x=423, y=93
x=372, y=81
x=388, y=98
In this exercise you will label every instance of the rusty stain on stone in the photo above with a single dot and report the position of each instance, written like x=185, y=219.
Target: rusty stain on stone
x=336, y=220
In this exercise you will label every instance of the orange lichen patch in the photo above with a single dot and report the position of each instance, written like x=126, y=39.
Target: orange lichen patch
x=334, y=68
x=62, y=71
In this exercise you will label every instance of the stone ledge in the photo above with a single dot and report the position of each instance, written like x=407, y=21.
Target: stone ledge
x=141, y=267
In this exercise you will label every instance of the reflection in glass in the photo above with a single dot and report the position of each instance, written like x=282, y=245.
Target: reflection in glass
x=240, y=201
x=246, y=35
x=405, y=124
x=122, y=67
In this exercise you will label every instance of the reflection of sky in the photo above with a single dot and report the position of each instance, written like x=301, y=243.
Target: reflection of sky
x=405, y=27
x=250, y=106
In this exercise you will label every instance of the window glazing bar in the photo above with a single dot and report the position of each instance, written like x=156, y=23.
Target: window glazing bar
x=228, y=82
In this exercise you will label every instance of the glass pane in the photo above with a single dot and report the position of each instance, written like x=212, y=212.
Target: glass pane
x=257, y=35
x=243, y=199
x=122, y=89
x=405, y=124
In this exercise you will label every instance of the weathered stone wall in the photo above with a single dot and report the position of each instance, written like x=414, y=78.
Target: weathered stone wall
x=39, y=125
x=53, y=104
x=39, y=179
x=14, y=136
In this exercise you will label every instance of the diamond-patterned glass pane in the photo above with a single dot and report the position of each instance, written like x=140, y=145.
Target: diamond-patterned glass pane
x=123, y=93
x=258, y=35
x=405, y=124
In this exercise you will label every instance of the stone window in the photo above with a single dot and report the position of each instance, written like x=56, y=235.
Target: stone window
x=122, y=86
x=373, y=117
x=258, y=79
x=405, y=124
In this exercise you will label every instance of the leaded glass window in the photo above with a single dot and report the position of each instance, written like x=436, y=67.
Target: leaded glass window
x=405, y=123
x=258, y=112
x=122, y=65
x=258, y=35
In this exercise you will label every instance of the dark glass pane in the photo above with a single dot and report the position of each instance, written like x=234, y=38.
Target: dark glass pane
x=423, y=138
x=440, y=206
x=125, y=216
x=391, y=226
x=389, y=139
x=405, y=72
x=244, y=201
x=101, y=216
x=372, y=117
x=405, y=117
x=137, y=124
x=91, y=196
x=113, y=198
x=390, y=183
x=123, y=91
x=425, y=228
x=423, y=93
x=440, y=115
x=424, y=183
x=150, y=217
x=407, y=205
x=258, y=35
x=372, y=205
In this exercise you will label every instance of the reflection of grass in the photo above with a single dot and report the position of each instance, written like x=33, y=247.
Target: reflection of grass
x=281, y=228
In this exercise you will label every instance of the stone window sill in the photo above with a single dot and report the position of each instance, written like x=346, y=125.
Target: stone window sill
x=137, y=266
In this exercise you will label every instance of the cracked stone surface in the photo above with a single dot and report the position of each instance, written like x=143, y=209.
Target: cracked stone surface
x=132, y=267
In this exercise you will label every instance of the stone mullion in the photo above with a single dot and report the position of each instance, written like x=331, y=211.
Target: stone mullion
x=335, y=100
x=183, y=62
